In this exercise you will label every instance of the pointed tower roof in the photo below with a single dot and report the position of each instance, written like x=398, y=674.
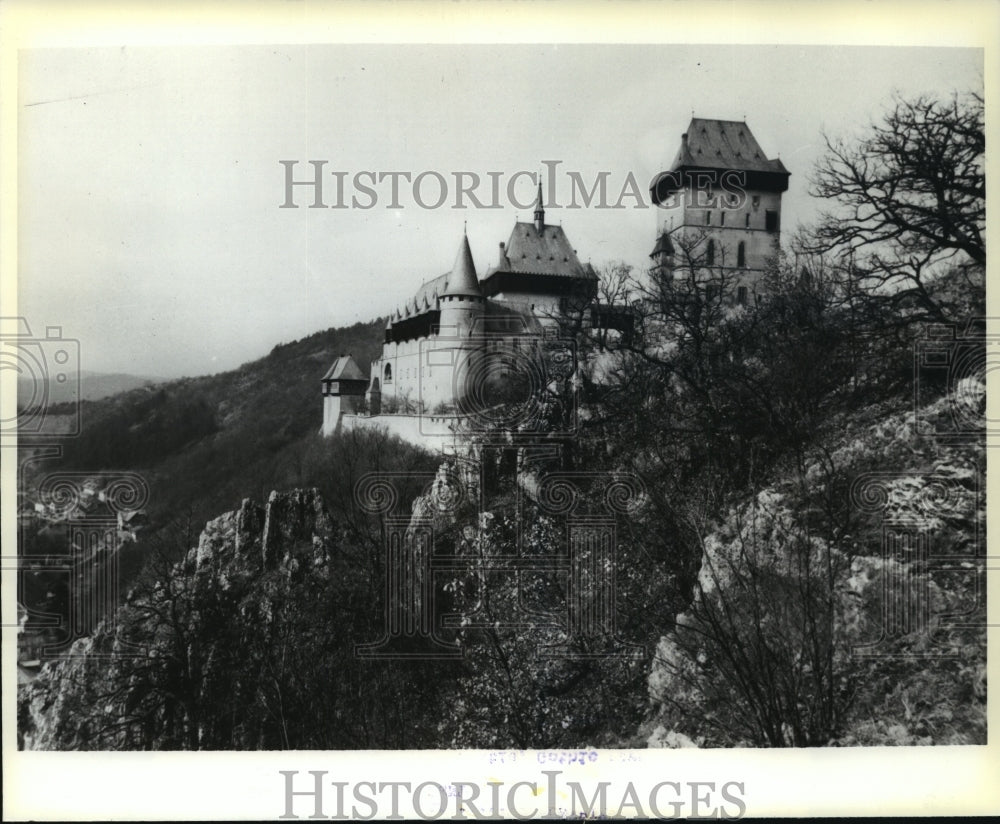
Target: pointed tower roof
x=463, y=279
x=663, y=244
x=723, y=144
x=344, y=369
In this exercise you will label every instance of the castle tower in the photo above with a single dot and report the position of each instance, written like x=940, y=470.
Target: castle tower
x=662, y=268
x=726, y=196
x=462, y=285
x=343, y=387
x=457, y=347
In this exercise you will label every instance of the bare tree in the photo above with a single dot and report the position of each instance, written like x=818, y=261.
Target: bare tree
x=908, y=205
x=758, y=657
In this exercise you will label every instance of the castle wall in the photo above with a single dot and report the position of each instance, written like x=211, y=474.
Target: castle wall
x=426, y=372
x=430, y=432
x=333, y=407
x=729, y=222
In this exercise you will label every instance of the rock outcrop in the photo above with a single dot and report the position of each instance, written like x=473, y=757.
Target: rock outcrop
x=172, y=638
x=872, y=556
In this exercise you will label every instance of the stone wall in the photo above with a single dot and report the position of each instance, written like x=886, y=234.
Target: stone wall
x=430, y=432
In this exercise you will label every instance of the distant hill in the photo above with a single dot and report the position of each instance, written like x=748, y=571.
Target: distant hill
x=93, y=386
x=204, y=443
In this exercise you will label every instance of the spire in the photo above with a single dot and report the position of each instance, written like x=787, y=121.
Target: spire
x=539, y=209
x=463, y=280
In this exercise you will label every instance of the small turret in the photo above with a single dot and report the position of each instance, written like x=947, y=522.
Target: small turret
x=344, y=385
x=662, y=254
x=462, y=308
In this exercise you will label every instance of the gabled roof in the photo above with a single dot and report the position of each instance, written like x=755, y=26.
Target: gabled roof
x=722, y=144
x=548, y=252
x=344, y=369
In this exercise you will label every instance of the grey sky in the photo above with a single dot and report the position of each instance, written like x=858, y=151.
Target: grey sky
x=150, y=178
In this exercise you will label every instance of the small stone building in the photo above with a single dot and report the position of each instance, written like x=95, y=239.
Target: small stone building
x=343, y=391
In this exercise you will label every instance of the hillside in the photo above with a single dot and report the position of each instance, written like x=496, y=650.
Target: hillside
x=248, y=640
x=893, y=652
x=201, y=445
x=748, y=568
x=187, y=437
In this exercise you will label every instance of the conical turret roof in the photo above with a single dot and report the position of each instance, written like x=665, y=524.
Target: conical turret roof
x=663, y=244
x=463, y=280
x=344, y=369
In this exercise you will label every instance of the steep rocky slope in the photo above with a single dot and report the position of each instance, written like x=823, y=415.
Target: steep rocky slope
x=844, y=605
x=156, y=676
x=841, y=604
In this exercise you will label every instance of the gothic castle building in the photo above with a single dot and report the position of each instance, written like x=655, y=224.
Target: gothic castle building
x=450, y=338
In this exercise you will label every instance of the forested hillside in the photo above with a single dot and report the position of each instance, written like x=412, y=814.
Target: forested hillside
x=200, y=445
x=205, y=443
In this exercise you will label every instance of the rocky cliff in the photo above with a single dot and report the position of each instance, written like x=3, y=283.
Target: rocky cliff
x=844, y=605
x=157, y=674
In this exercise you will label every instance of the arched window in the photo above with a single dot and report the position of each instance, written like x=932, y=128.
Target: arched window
x=387, y=377
x=710, y=253
x=741, y=254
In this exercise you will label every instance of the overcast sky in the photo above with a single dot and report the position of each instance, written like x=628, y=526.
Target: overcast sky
x=150, y=181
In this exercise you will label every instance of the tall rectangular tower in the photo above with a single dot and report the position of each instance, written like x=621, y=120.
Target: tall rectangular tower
x=720, y=203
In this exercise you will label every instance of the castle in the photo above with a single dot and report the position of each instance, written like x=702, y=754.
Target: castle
x=459, y=331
